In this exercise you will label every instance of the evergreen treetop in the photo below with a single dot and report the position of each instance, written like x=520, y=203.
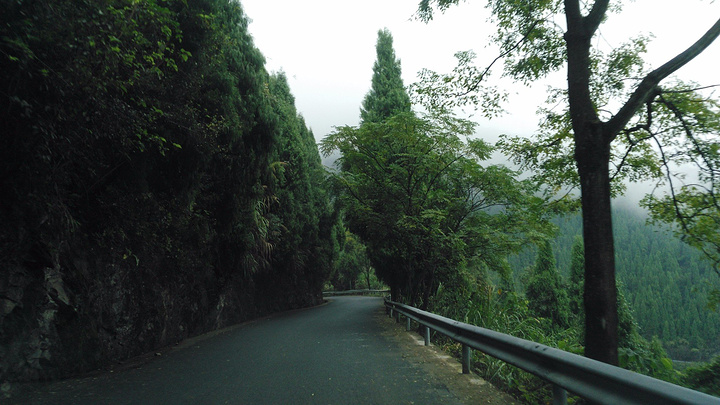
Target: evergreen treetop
x=387, y=96
x=545, y=292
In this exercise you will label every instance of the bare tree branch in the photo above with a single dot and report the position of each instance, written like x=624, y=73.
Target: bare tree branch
x=691, y=90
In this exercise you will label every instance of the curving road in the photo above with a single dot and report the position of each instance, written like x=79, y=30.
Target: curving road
x=331, y=354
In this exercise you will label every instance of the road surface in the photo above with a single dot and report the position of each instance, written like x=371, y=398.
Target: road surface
x=336, y=353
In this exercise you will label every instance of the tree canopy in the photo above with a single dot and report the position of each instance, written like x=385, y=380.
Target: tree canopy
x=419, y=197
x=616, y=115
x=387, y=95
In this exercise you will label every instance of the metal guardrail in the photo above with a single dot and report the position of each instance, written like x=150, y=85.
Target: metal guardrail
x=585, y=377
x=354, y=292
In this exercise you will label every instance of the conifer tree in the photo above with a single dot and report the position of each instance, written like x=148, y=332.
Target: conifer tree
x=387, y=96
x=577, y=280
x=546, y=296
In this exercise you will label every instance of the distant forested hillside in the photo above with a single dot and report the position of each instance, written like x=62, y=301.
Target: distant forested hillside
x=665, y=282
x=157, y=182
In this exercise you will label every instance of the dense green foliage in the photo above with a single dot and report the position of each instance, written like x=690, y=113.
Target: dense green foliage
x=483, y=299
x=614, y=120
x=387, y=95
x=301, y=225
x=473, y=298
x=157, y=181
x=577, y=280
x=665, y=282
x=704, y=377
x=545, y=292
x=353, y=269
x=444, y=268
x=418, y=196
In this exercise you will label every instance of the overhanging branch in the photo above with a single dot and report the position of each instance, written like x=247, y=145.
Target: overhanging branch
x=647, y=87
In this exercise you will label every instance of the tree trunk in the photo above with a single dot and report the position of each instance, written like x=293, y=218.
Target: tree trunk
x=427, y=290
x=592, y=156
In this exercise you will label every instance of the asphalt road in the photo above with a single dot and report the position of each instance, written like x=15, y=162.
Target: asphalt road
x=331, y=354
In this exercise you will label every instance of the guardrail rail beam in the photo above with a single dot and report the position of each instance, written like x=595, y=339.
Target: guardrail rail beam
x=568, y=372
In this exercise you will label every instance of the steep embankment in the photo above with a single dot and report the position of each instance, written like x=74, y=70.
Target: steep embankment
x=157, y=182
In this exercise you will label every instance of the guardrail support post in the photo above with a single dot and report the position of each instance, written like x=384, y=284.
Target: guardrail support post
x=559, y=395
x=407, y=324
x=397, y=317
x=391, y=312
x=595, y=381
x=466, y=355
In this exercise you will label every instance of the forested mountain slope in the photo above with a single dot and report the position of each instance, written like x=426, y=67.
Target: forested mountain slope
x=157, y=182
x=665, y=282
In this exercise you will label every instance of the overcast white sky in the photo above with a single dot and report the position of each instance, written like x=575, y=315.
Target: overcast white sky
x=327, y=49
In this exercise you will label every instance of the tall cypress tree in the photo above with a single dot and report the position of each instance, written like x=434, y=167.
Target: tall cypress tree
x=545, y=293
x=577, y=280
x=387, y=96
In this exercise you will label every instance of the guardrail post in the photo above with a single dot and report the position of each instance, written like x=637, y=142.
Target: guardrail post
x=391, y=312
x=559, y=395
x=466, y=355
x=407, y=324
x=592, y=380
x=397, y=317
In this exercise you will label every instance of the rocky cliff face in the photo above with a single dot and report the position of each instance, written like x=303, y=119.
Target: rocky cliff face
x=150, y=191
x=33, y=305
x=80, y=314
